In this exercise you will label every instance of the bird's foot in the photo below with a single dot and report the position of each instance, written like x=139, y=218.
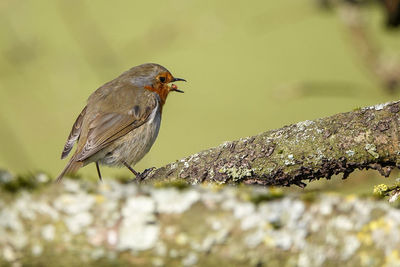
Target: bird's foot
x=140, y=176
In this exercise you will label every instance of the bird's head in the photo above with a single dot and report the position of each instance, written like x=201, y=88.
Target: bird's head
x=155, y=78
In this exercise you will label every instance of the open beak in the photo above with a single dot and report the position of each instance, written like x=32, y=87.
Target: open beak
x=178, y=79
x=174, y=87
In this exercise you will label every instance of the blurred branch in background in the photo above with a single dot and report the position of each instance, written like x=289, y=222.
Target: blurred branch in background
x=392, y=8
x=300, y=89
x=385, y=68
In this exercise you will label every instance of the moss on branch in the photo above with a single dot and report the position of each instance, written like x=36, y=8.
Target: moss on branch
x=366, y=138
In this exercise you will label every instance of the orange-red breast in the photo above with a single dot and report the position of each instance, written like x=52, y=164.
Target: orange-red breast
x=121, y=120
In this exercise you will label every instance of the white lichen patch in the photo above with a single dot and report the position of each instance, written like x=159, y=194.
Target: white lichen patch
x=9, y=254
x=112, y=237
x=137, y=235
x=378, y=106
x=44, y=208
x=245, y=139
x=25, y=207
x=304, y=124
x=350, y=153
x=71, y=185
x=140, y=205
x=194, y=157
x=9, y=220
x=74, y=203
x=304, y=131
x=174, y=166
x=283, y=240
x=371, y=149
x=243, y=209
x=350, y=246
x=139, y=230
x=211, y=173
x=254, y=239
x=186, y=164
x=77, y=222
x=161, y=249
x=37, y=250
x=290, y=160
x=48, y=232
x=226, y=144
x=42, y=178
x=237, y=173
x=250, y=221
x=171, y=200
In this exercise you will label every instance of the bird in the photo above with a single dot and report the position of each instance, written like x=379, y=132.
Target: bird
x=120, y=121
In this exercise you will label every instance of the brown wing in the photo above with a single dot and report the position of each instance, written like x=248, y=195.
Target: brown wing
x=74, y=134
x=107, y=127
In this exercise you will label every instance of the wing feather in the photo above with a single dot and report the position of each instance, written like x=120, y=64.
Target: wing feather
x=74, y=134
x=108, y=127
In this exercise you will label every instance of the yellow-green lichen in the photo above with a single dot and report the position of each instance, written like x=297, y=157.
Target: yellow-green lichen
x=371, y=149
x=366, y=232
x=236, y=173
x=380, y=189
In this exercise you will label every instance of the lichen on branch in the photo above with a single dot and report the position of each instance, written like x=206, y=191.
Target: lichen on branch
x=366, y=138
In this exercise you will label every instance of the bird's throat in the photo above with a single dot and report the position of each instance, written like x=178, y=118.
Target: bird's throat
x=162, y=90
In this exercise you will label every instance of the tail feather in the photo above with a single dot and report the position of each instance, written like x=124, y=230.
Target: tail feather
x=72, y=167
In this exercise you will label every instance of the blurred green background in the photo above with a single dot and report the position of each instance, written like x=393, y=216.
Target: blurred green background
x=251, y=66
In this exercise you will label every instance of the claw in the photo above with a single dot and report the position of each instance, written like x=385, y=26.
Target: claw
x=144, y=174
x=140, y=176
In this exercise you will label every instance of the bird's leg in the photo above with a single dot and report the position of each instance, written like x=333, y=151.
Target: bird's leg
x=131, y=169
x=98, y=171
x=139, y=176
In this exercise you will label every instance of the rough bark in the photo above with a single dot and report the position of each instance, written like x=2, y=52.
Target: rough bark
x=366, y=138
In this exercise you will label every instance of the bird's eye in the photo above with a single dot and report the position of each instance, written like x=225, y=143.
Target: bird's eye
x=162, y=79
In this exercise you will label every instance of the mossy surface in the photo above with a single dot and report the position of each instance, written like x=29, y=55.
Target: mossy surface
x=362, y=139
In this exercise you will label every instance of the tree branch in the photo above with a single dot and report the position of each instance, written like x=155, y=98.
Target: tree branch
x=83, y=223
x=367, y=138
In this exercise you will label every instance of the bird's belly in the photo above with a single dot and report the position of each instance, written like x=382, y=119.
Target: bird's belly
x=132, y=147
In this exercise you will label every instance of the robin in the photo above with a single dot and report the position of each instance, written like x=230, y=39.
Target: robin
x=121, y=120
